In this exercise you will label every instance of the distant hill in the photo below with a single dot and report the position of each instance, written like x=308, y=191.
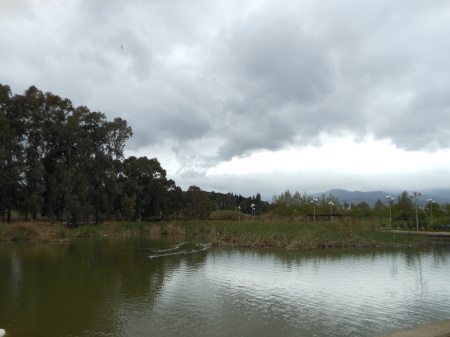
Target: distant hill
x=441, y=196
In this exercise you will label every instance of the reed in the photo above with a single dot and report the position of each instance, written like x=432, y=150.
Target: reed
x=268, y=234
x=296, y=235
x=37, y=231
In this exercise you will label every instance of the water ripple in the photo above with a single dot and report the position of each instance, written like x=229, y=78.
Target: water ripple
x=183, y=248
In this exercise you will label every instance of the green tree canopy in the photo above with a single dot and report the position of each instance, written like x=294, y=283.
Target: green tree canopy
x=63, y=157
x=404, y=206
x=197, y=204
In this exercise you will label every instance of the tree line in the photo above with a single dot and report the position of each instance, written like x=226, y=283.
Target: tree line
x=400, y=210
x=67, y=164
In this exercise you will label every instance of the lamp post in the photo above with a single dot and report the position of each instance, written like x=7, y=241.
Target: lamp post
x=313, y=201
x=239, y=212
x=390, y=198
x=253, y=211
x=431, y=201
x=331, y=211
x=415, y=195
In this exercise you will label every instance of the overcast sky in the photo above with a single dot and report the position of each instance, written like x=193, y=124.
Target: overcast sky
x=252, y=96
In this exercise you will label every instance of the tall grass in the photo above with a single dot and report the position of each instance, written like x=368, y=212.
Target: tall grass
x=38, y=231
x=296, y=235
x=275, y=234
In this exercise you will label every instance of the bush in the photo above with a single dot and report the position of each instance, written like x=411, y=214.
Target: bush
x=225, y=215
x=173, y=230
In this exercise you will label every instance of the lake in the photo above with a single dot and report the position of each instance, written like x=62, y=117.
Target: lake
x=163, y=286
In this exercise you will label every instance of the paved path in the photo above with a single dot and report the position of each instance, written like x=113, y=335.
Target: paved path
x=422, y=233
x=437, y=329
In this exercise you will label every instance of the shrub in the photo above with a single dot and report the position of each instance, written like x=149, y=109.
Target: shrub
x=225, y=215
x=173, y=230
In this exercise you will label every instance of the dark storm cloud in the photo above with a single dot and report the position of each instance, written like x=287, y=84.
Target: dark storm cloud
x=216, y=80
x=275, y=74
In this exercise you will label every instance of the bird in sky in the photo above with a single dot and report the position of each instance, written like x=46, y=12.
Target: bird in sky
x=121, y=46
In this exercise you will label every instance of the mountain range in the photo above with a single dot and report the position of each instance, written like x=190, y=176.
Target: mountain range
x=440, y=195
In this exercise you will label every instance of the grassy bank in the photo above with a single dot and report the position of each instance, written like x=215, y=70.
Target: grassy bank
x=286, y=235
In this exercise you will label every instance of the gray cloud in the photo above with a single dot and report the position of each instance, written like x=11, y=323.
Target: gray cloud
x=217, y=80
x=274, y=75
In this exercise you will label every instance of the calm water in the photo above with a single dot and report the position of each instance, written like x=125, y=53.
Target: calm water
x=167, y=287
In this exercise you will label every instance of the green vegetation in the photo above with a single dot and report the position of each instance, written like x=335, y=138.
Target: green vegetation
x=225, y=215
x=304, y=235
x=266, y=234
x=389, y=215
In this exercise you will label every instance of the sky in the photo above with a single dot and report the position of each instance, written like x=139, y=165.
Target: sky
x=252, y=96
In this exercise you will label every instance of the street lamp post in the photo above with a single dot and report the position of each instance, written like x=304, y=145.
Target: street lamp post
x=415, y=195
x=253, y=211
x=313, y=201
x=390, y=198
x=331, y=211
x=239, y=212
